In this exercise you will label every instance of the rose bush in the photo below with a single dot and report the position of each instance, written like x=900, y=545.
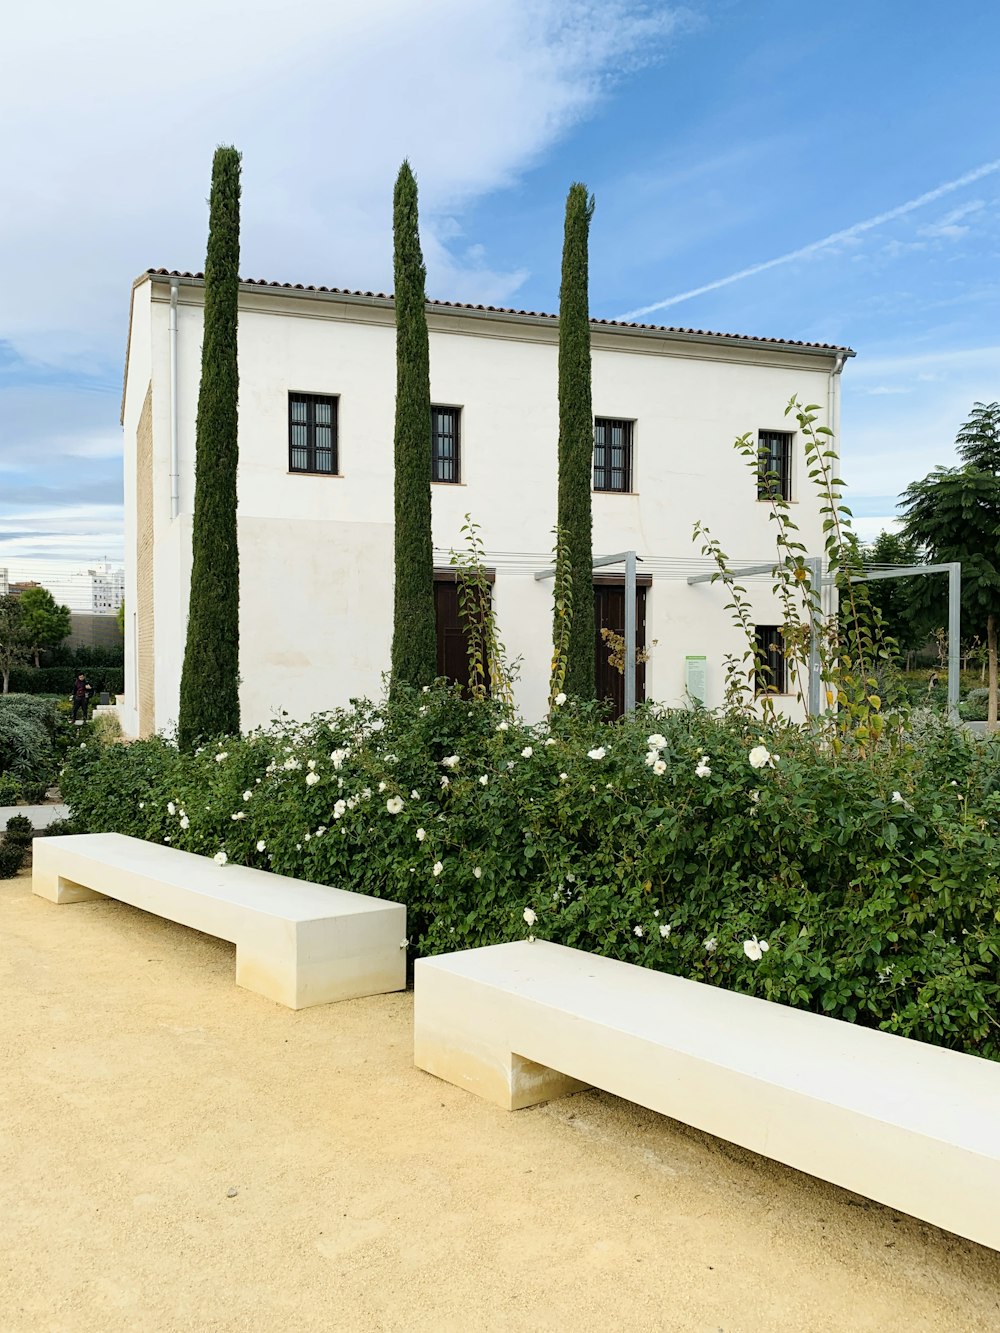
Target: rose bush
x=864, y=887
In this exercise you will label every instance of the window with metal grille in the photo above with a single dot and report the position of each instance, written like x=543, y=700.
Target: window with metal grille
x=312, y=433
x=612, y=454
x=770, y=676
x=445, y=454
x=774, y=464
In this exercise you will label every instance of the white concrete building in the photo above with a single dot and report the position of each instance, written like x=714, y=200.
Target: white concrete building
x=98, y=591
x=317, y=388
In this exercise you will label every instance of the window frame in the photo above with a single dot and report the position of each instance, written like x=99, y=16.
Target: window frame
x=776, y=683
x=311, y=400
x=607, y=471
x=767, y=487
x=456, y=412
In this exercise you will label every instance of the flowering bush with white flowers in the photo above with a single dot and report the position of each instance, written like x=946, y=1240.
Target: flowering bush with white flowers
x=717, y=848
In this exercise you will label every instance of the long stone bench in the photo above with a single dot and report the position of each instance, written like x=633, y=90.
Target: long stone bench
x=298, y=944
x=910, y=1125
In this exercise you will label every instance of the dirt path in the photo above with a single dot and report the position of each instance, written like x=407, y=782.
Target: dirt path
x=177, y=1154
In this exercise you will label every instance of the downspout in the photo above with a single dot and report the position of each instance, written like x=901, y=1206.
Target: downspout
x=833, y=422
x=174, y=471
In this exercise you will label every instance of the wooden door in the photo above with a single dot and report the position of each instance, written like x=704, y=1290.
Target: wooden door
x=609, y=612
x=452, y=646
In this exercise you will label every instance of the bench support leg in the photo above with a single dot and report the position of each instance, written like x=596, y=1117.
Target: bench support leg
x=60, y=890
x=461, y=1038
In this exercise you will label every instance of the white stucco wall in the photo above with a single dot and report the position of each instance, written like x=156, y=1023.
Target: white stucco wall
x=316, y=551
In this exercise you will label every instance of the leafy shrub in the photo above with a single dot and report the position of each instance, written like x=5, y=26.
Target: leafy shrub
x=27, y=753
x=59, y=828
x=19, y=830
x=11, y=858
x=973, y=708
x=873, y=880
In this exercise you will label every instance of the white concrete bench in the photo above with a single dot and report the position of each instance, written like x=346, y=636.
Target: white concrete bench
x=298, y=944
x=910, y=1125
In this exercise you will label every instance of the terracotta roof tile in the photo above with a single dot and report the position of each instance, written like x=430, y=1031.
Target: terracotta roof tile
x=507, y=310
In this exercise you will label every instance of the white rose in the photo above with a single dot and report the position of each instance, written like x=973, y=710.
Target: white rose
x=527, y=752
x=529, y=916
x=760, y=757
x=438, y=867
x=394, y=804
x=755, y=949
x=220, y=858
x=599, y=753
x=560, y=699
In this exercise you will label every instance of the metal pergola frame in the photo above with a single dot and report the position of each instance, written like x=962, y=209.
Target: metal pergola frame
x=630, y=559
x=952, y=568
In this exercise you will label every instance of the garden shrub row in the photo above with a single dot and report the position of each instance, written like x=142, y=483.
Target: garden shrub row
x=59, y=679
x=758, y=859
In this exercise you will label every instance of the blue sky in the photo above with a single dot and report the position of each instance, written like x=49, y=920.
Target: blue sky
x=717, y=137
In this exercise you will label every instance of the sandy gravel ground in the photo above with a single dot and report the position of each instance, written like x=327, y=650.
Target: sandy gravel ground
x=177, y=1154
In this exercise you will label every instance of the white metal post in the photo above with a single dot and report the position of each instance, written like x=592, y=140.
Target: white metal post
x=954, y=638
x=630, y=632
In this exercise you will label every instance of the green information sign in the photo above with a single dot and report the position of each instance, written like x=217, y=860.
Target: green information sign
x=695, y=671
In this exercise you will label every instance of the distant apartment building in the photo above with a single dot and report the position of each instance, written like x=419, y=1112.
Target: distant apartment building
x=98, y=591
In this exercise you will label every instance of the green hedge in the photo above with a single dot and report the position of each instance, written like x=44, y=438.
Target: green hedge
x=873, y=881
x=59, y=679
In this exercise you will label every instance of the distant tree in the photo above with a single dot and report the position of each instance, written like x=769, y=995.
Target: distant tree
x=576, y=441
x=209, y=693
x=45, y=623
x=954, y=514
x=414, y=636
x=909, y=616
x=14, y=646
x=121, y=617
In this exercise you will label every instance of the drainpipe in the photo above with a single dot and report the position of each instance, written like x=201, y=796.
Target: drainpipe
x=175, y=481
x=833, y=421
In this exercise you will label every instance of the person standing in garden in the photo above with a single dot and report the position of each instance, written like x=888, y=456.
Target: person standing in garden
x=82, y=690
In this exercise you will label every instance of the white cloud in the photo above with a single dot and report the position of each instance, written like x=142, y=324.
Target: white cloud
x=113, y=150
x=953, y=226
x=838, y=239
x=114, y=109
x=891, y=439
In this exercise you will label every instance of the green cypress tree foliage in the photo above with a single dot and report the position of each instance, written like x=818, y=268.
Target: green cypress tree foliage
x=414, y=637
x=576, y=440
x=209, y=698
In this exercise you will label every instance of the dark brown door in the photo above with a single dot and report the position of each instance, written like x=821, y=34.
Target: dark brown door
x=609, y=613
x=452, y=659
x=452, y=646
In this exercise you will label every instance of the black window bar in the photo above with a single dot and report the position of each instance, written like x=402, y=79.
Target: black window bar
x=612, y=454
x=312, y=433
x=445, y=457
x=774, y=465
x=770, y=675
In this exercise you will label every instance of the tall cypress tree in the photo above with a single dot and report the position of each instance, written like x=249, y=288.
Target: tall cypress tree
x=414, y=638
x=209, y=698
x=576, y=439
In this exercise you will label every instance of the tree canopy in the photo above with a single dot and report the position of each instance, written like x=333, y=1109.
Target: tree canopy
x=14, y=646
x=954, y=514
x=414, y=638
x=209, y=693
x=44, y=622
x=576, y=442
